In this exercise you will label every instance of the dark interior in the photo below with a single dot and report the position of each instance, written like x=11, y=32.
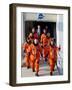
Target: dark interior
x=51, y=27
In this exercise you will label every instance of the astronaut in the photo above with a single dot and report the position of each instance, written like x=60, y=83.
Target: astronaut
x=35, y=56
x=43, y=36
x=26, y=49
x=52, y=55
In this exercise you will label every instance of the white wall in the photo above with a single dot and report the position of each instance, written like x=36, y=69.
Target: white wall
x=47, y=17
x=59, y=30
x=4, y=45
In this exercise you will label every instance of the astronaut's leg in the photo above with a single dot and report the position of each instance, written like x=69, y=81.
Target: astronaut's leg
x=37, y=67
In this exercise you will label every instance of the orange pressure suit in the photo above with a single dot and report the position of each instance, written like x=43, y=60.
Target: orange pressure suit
x=35, y=57
x=45, y=43
x=52, y=57
x=26, y=48
x=43, y=36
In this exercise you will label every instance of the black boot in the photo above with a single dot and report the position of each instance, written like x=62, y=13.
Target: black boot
x=36, y=74
x=33, y=70
x=28, y=67
x=45, y=59
x=53, y=69
x=51, y=73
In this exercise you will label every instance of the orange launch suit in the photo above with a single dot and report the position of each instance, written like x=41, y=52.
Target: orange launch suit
x=45, y=43
x=26, y=47
x=35, y=57
x=52, y=56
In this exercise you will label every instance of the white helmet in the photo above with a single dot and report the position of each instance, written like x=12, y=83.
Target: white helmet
x=35, y=41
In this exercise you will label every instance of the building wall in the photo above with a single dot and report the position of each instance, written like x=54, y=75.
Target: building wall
x=46, y=17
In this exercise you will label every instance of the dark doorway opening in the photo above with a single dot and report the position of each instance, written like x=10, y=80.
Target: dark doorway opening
x=43, y=24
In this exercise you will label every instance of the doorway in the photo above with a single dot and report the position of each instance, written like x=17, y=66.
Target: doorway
x=51, y=27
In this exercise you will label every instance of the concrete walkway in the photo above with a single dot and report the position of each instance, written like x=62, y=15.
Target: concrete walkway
x=43, y=71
